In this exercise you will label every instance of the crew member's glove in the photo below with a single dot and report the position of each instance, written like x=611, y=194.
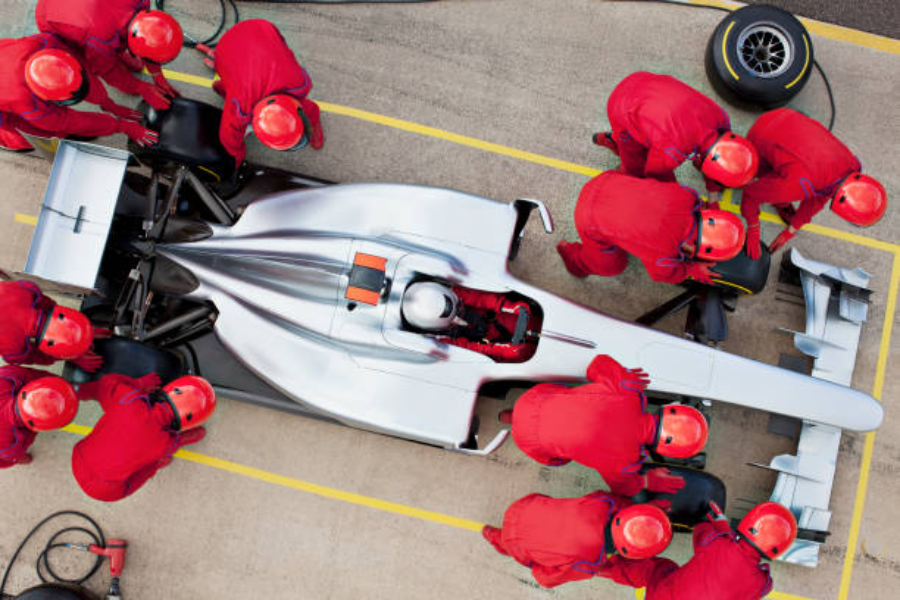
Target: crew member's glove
x=754, y=249
x=148, y=382
x=663, y=504
x=781, y=240
x=701, y=272
x=122, y=112
x=715, y=513
x=637, y=378
x=163, y=85
x=209, y=58
x=154, y=97
x=139, y=134
x=662, y=480
x=192, y=436
x=101, y=333
x=26, y=459
x=90, y=361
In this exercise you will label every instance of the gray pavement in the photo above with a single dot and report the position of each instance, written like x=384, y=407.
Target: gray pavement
x=534, y=75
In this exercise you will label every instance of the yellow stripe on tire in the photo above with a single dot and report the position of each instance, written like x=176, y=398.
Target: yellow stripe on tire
x=805, y=64
x=725, y=52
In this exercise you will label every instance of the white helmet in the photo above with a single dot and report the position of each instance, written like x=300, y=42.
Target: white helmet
x=429, y=305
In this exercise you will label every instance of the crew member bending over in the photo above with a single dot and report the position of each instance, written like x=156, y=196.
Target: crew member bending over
x=39, y=79
x=604, y=425
x=804, y=162
x=34, y=330
x=141, y=428
x=263, y=84
x=659, y=122
x=118, y=38
x=485, y=322
x=31, y=401
x=659, y=222
x=568, y=539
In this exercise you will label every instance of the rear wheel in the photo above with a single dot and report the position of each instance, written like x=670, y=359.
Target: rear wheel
x=759, y=56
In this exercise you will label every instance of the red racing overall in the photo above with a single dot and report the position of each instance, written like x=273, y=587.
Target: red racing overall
x=601, y=425
x=98, y=28
x=658, y=122
x=559, y=539
x=15, y=438
x=617, y=215
x=24, y=308
x=502, y=319
x=254, y=62
x=21, y=110
x=800, y=161
x=131, y=441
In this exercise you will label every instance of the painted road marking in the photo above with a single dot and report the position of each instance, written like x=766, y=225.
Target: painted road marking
x=820, y=28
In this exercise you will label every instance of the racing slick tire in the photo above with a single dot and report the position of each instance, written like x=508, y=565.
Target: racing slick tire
x=759, y=56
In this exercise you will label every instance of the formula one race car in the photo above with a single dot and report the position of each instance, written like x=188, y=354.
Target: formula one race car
x=286, y=291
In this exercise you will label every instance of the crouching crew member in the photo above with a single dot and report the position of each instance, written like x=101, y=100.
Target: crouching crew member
x=39, y=79
x=661, y=223
x=568, y=539
x=604, y=425
x=480, y=321
x=263, y=85
x=804, y=162
x=118, y=38
x=141, y=428
x=659, y=122
x=34, y=330
x=725, y=565
x=31, y=401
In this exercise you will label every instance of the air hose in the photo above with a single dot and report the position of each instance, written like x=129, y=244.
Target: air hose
x=95, y=535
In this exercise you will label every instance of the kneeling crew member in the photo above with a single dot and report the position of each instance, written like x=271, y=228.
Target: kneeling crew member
x=725, y=566
x=604, y=426
x=568, y=539
x=483, y=322
x=804, y=162
x=659, y=122
x=39, y=79
x=116, y=38
x=31, y=401
x=263, y=84
x=661, y=223
x=34, y=330
x=141, y=428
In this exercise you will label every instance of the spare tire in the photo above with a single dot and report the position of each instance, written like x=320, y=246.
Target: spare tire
x=759, y=56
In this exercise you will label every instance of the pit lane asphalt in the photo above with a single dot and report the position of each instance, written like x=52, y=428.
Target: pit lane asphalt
x=540, y=87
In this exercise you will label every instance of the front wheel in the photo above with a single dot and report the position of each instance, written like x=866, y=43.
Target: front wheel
x=759, y=55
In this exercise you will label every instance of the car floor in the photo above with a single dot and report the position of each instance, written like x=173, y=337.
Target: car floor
x=532, y=75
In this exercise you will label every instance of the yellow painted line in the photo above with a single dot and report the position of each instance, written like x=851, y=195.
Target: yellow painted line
x=725, y=52
x=312, y=488
x=25, y=219
x=805, y=65
x=187, y=78
x=827, y=30
x=456, y=138
x=869, y=448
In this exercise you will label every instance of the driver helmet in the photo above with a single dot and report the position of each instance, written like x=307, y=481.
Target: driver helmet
x=430, y=306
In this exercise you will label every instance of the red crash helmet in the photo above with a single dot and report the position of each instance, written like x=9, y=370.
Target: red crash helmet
x=56, y=76
x=732, y=161
x=770, y=528
x=67, y=334
x=682, y=431
x=155, y=36
x=277, y=121
x=193, y=401
x=720, y=235
x=860, y=199
x=641, y=531
x=47, y=403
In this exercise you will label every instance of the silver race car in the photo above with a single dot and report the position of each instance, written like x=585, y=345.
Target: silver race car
x=288, y=291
